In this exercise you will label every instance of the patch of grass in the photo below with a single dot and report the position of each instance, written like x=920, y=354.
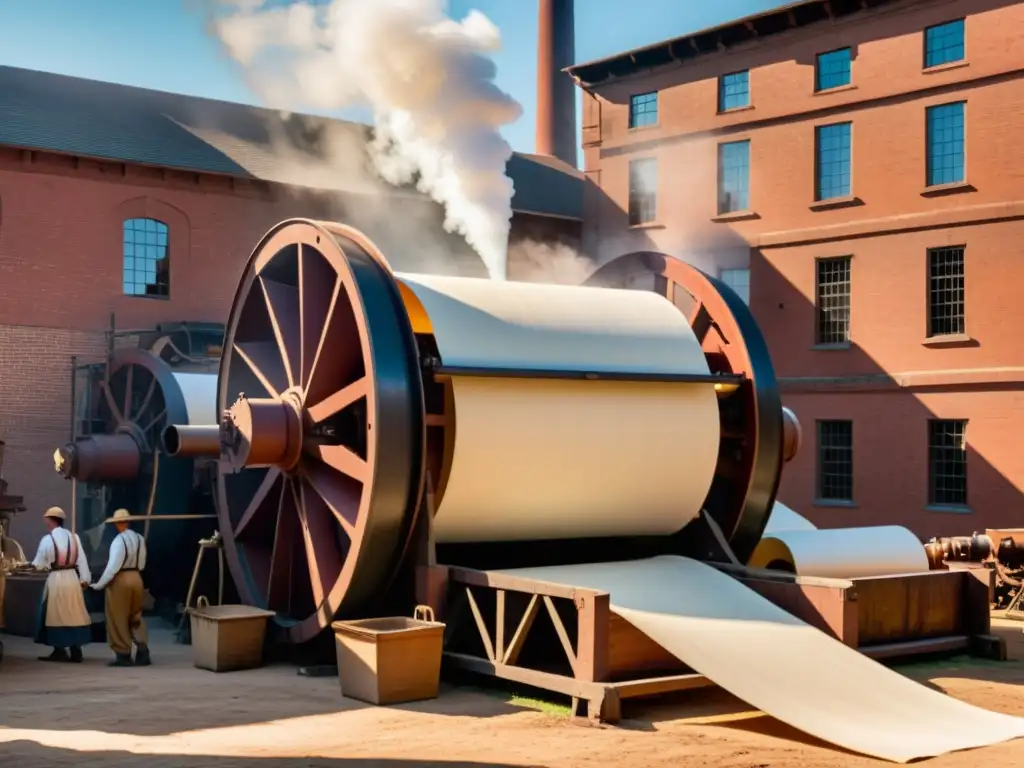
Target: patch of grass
x=547, y=707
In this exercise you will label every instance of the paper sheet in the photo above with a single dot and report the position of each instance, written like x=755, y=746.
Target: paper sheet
x=544, y=459
x=490, y=324
x=783, y=518
x=844, y=553
x=200, y=393
x=782, y=666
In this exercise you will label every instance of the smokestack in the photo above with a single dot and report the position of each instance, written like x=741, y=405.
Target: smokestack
x=556, y=97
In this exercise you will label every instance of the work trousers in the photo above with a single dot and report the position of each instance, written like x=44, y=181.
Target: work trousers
x=124, y=613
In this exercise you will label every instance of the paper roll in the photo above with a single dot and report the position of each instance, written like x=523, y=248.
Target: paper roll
x=783, y=518
x=781, y=665
x=489, y=324
x=544, y=459
x=200, y=393
x=843, y=553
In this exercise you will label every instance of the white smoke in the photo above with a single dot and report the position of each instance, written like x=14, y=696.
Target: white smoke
x=425, y=77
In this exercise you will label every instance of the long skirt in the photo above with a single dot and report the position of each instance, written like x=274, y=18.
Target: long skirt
x=63, y=620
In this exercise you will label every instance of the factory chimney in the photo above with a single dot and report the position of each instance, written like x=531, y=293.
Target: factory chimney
x=556, y=97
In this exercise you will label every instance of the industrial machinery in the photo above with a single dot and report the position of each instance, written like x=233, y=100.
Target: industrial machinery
x=151, y=379
x=393, y=439
x=996, y=554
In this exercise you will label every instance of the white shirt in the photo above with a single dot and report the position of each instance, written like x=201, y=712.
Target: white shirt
x=127, y=550
x=46, y=557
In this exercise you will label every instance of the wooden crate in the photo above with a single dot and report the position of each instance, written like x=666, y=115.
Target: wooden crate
x=390, y=660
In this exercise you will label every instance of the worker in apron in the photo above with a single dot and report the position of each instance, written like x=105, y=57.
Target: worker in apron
x=122, y=580
x=64, y=622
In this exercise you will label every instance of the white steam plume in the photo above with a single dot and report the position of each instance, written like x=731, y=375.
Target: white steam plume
x=426, y=78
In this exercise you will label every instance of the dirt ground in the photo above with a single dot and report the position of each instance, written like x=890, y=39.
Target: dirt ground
x=172, y=714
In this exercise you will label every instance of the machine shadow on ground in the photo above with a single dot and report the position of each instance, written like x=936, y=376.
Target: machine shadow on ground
x=31, y=754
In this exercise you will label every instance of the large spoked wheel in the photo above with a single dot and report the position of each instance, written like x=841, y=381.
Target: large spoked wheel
x=751, y=449
x=323, y=424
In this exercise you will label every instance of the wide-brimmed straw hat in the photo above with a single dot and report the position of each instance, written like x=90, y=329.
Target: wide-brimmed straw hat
x=120, y=516
x=55, y=512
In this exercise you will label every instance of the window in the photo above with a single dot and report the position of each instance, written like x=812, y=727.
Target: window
x=947, y=462
x=833, y=301
x=643, y=110
x=734, y=91
x=146, y=269
x=945, y=291
x=944, y=43
x=833, y=69
x=945, y=125
x=643, y=191
x=739, y=281
x=833, y=149
x=734, y=177
x=835, y=460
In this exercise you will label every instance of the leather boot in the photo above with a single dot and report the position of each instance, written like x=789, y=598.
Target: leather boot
x=58, y=654
x=142, y=656
x=121, y=660
x=76, y=654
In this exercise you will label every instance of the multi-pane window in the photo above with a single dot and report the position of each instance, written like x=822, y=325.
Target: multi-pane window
x=945, y=291
x=945, y=160
x=734, y=91
x=733, y=177
x=643, y=191
x=643, y=110
x=146, y=270
x=835, y=460
x=947, y=462
x=833, y=149
x=833, y=301
x=739, y=281
x=832, y=70
x=944, y=43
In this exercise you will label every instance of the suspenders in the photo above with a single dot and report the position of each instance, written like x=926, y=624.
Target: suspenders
x=70, y=557
x=130, y=556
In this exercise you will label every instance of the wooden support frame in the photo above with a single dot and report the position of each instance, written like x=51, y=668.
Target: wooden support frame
x=587, y=652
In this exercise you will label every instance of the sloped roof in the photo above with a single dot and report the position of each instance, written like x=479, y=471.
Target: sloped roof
x=88, y=118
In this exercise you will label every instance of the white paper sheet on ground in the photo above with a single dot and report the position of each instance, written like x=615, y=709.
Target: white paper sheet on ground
x=781, y=665
x=784, y=518
x=844, y=553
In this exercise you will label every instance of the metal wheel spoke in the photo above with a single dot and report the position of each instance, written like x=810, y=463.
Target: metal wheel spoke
x=339, y=401
x=342, y=459
x=318, y=291
x=260, y=356
x=286, y=534
x=283, y=309
x=115, y=412
x=154, y=420
x=339, y=356
x=127, y=410
x=262, y=502
x=319, y=535
x=146, y=399
x=340, y=493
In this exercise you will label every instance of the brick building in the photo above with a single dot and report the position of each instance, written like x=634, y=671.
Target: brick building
x=855, y=166
x=90, y=171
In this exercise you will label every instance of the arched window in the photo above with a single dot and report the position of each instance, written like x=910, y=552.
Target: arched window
x=147, y=266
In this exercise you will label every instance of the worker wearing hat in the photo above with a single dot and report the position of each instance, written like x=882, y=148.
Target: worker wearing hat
x=64, y=622
x=122, y=580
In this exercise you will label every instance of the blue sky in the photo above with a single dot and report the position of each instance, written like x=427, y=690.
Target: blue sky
x=162, y=44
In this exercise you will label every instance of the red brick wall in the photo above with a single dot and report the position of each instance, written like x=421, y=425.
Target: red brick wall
x=889, y=382
x=60, y=277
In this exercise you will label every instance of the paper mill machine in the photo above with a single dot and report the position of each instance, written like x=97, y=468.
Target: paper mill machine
x=152, y=378
x=389, y=438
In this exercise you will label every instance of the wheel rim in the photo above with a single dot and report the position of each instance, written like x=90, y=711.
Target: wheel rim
x=319, y=345
x=751, y=451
